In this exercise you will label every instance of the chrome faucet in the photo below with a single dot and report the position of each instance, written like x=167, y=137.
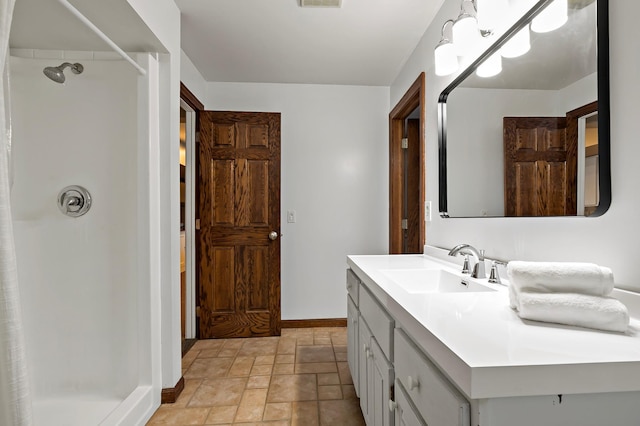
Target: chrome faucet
x=466, y=249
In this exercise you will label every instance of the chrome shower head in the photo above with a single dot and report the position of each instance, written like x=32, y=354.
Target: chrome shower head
x=57, y=73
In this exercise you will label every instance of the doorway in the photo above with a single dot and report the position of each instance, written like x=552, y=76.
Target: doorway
x=189, y=109
x=407, y=172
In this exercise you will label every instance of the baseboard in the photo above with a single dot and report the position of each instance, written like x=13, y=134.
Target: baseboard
x=170, y=395
x=328, y=322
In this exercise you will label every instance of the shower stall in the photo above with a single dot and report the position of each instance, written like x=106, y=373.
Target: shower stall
x=90, y=310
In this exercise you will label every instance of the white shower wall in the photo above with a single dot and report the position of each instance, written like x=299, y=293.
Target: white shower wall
x=78, y=276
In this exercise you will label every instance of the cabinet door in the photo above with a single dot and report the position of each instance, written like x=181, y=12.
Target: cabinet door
x=364, y=359
x=352, y=343
x=380, y=378
x=405, y=412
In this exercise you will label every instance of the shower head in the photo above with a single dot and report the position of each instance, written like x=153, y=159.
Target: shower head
x=57, y=73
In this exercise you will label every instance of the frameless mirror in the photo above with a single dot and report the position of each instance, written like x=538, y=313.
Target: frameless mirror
x=534, y=139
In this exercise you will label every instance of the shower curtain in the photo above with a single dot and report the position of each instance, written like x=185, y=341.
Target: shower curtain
x=15, y=401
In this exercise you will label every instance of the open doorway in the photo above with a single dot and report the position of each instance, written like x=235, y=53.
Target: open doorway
x=189, y=107
x=406, y=172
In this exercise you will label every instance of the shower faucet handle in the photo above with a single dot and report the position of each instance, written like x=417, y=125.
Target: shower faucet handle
x=74, y=201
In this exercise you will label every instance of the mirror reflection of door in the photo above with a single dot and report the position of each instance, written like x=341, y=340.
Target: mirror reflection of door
x=538, y=162
x=551, y=164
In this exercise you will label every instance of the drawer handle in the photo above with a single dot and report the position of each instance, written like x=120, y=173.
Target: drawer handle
x=392, y=405
x=413, y=383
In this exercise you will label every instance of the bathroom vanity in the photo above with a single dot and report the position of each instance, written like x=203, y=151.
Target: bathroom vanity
x=424, y=348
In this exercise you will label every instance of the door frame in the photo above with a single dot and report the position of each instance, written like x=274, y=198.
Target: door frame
x=412, y=99
x=192, y=106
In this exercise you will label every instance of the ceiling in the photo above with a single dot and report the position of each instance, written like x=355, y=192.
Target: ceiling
x=365, y=42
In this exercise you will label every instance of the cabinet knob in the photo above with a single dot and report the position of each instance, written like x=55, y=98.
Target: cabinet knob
x=392, y=405
x=412, y=383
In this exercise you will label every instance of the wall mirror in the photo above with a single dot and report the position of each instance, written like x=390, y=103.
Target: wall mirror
x=532, y=140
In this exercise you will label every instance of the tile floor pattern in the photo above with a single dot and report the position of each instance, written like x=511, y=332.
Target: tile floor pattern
x=299, y=378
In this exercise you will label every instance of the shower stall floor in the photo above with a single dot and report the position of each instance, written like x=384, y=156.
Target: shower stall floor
x=73, y=410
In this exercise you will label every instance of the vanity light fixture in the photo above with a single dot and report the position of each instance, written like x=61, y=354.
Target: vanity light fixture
x=446, y=60
x=466, y=34
x=518, y=45
x=490, y=13
x=552, y=17
x=491, y=66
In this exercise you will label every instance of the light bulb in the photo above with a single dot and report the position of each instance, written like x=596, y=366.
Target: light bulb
x=491, y=13
x=552, y=17
x=466, y=36
x=518, y=45
x=446, y=60
x=490, y=67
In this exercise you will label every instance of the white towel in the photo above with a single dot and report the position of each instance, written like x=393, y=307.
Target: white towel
x=602, y=313
x=566, y=277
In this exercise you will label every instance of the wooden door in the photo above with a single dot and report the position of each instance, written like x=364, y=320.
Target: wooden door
x=539, y=167
x=239, y=172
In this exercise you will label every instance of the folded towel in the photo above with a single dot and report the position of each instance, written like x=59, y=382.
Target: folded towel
x=566, y=277
x=602, y=313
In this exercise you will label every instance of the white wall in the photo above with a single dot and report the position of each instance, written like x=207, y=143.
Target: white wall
x=78, y=276
x=163, y=18
x=334, y=173
x=191, y=77
x=610, y=239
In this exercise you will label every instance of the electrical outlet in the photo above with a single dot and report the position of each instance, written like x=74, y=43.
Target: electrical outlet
x=427, y=211
x=291, y=216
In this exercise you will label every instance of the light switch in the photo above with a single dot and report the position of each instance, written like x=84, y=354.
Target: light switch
x=291, y=216
x=427, y=211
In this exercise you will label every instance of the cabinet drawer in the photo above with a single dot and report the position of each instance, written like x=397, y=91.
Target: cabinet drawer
x=353, y=283
x=438, y=402
x=379, y=321
x=406, y=414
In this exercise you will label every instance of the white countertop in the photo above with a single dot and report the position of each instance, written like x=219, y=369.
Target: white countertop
x=488, y=351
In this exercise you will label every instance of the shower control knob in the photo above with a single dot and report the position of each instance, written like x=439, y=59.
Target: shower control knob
x=74, y=201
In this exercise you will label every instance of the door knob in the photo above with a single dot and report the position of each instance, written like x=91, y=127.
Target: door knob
x=273, y=235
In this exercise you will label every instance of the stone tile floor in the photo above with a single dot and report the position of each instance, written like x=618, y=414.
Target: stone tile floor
x=299, y=378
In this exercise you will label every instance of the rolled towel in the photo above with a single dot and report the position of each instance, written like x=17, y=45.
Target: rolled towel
x=566, y=277
x=601, y=313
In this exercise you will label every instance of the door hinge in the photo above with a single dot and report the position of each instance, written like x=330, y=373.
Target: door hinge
x=405, y=143
x=405, y=224
x=197, y=224
x=197, y=311
x=197, y=138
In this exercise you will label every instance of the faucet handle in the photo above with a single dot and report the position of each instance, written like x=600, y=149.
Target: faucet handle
x=465, y=264
x=494, y=277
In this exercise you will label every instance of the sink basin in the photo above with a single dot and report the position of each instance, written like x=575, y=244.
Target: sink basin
x=417, y=281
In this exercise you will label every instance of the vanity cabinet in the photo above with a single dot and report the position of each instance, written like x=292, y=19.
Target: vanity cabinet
x=379, y=352
x=352, y=343
x=369, y=349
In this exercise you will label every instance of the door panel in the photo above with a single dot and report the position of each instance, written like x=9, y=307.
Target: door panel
x=239, y=207
x=538, y=161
